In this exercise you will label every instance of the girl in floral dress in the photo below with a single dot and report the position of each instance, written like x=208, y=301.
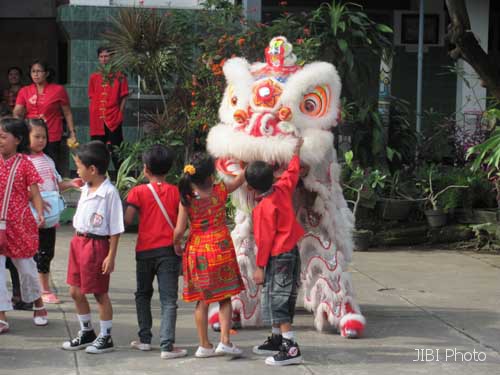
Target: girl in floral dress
x=210, y=268
x=21, y=228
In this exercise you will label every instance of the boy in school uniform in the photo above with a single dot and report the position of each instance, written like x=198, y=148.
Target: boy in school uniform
x=276, y=232
x=98, y=223
x=157, y=204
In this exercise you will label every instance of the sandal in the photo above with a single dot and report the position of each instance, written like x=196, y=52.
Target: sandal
x=4, y=327
x=40, y=320
x=49, y=297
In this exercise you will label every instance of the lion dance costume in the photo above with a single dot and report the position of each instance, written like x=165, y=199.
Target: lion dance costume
x=264, y=108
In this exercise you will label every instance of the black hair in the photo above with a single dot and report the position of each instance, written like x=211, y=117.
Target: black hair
x=32, y=122
x=102, y=49
x=15, y=68
x=5, y=110
x=158, y=159
x=259, y=175
x=204, y=166
x=45, y=66
x=94, y=153
x=19, y=130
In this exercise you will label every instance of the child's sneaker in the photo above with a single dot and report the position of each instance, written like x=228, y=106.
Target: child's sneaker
x=270, y=347
x=289, y=354
x=140, y=346
x=232, y=350
x=81, y=341
x=102, y=344
x=202, y=352
x=173, y=353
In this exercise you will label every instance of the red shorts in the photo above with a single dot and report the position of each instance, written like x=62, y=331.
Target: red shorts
x=85, y=265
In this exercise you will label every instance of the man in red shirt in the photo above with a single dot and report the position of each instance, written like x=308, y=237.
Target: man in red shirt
x=157, y=204
x=276, y=233
x=107, y=102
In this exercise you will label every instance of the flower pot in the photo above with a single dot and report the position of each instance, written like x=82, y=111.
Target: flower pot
x=436, y=218
x=362, y=239
x=394, y=209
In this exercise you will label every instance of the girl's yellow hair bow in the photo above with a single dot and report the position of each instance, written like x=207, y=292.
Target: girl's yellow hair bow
x=189, y=169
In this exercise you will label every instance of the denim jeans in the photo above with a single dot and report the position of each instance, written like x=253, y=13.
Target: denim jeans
x=166, y=269
x=279, y=293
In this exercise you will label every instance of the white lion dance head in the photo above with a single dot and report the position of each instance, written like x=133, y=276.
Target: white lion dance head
x=264, y=108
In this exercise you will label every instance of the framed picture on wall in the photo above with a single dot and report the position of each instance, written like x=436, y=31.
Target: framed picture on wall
x=409, y=29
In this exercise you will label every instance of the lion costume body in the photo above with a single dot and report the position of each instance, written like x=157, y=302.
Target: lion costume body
x=264, y=108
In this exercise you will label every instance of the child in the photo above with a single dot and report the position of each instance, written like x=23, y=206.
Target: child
x=21, y=227
x=210, y=269
x=276, y=232
x=155, y=255
x=52, y=181
x=98, y=222
x=19, y=304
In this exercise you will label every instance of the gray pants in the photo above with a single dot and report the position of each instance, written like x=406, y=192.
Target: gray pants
x=166, y=269
x=279, y=294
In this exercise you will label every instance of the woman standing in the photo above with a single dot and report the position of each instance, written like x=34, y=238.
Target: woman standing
x=47, y=101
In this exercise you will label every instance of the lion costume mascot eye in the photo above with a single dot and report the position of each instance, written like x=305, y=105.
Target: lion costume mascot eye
x=264, y=108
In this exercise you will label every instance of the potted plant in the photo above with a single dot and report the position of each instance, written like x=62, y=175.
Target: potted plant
x=395, y=205
x=361, y=183
x=436, y=216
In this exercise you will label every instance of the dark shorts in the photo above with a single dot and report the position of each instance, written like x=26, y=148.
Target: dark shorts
x=47, y=244
x=85, y=265
x=279, y=294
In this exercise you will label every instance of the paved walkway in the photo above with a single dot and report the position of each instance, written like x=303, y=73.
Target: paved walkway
x=442, y=301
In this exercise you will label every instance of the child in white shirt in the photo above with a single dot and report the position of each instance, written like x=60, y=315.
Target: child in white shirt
x=98, y=222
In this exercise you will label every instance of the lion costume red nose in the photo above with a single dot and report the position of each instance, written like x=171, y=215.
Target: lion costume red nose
x=263, y=124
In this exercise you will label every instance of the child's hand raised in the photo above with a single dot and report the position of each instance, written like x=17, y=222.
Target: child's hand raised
x=300, y=142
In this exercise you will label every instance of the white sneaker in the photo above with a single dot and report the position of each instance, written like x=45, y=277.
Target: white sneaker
x=232, y=350
x=202, y=352
x=175, y=353
x=140, y=346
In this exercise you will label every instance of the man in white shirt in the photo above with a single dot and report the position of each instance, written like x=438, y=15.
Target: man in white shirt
x=98, y=222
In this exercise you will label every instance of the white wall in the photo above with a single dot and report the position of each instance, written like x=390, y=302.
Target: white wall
x=473, y=99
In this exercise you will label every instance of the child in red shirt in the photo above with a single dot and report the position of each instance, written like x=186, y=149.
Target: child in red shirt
x=157, y=204
x=276, y=232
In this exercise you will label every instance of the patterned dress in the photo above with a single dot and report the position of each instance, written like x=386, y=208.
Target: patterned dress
x=211, y=272
x=22, y=230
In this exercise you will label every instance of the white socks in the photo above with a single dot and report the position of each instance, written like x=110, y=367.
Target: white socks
x=288, y=335
x=106, y=326
x=275, y=331
x=85, y=323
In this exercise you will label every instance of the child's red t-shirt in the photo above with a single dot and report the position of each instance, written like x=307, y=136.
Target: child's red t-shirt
x=276, y=229
x=154, y=230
